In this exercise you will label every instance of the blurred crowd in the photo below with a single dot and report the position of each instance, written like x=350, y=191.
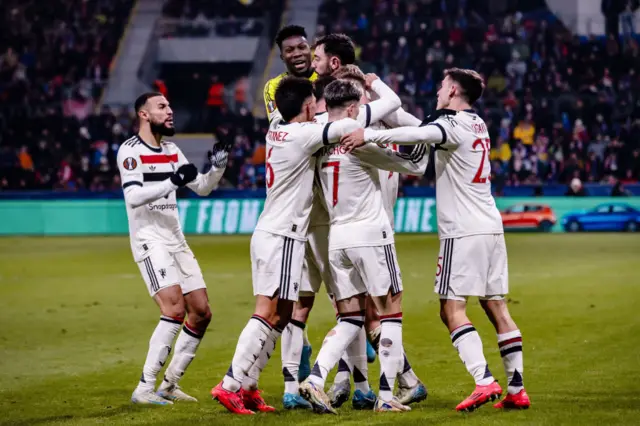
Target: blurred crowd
x=559, y=108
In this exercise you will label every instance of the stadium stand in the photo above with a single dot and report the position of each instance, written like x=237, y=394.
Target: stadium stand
x=549, y=123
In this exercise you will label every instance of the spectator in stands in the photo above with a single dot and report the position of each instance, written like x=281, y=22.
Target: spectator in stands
x=576, y=189
x=618, y=189
x=525, y=131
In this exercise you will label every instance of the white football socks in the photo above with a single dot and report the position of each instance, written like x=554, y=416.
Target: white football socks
x=291, y=351
x=334, y=345
x=159, y=350
x=511, y=351
x=250, y=381
x=390, y=353
x=357, y=356
x=250, y=344
x=185, y=350
x=467, y=341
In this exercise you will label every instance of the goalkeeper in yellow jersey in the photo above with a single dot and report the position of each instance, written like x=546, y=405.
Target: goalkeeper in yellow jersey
x=295, y=52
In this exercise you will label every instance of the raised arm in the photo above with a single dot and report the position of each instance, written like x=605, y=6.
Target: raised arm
x=401, y=118
x=204, y=183
x=414, y=163
x=387, y=101
x=429, y=134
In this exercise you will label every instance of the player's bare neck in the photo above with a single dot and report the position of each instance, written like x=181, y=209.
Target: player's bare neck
x=337, y=114
x=457, y=104
x=151, y=139
x=321, y=106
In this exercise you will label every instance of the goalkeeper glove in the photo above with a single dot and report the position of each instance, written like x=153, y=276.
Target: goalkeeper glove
x=219, y=155
x=185, y=174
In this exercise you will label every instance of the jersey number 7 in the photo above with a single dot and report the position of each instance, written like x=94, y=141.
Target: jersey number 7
x=336, y=177
x=485, y=145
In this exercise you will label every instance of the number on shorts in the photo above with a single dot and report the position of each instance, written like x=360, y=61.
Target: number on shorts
x=336, y=176
x=439, y=270
x=485, y=144
x=270, y=175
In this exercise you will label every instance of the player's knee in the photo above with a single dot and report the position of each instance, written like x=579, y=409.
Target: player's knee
x=443, y=316
x=175, y=309
x=203, y=318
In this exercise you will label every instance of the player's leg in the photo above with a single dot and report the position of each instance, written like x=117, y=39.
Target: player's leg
x=348, y=290
x=292, y=349
x=160, y=275
x=462, y=271
x=372, y=328
x=509, y=336
x=380, y=270
x=276, y=268
x=198, y=319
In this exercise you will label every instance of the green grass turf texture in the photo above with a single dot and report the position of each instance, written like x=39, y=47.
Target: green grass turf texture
x=75, y=320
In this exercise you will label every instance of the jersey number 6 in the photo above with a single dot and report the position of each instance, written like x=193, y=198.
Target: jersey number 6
x=270, y=176
x=485, y=145
x=336, y=176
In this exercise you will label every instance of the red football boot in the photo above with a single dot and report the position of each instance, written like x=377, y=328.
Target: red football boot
x=232, y=401
x=480, y=396
x=518, y=401
x=253, y=401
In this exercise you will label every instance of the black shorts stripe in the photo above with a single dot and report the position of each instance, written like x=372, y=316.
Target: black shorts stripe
x=285, y=271
x=131, y=183
x=449, y=262
x=156, y=177
x=153, y=280
x=325, y=134
x=367, y=109
x=393, y=273
x=443, y=288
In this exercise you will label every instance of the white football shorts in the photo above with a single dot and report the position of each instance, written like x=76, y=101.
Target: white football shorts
x=472, y=266
x=315, y=269
x=372, y=270
x=276, y=265
x=161, y=268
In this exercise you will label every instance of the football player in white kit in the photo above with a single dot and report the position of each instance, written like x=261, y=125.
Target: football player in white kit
x=151, y=170
x=278, y=243
x=473, y=255
x=316, y=269
x=410, y=388
x=361, y=253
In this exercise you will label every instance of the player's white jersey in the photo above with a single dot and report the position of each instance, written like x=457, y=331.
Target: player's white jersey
x=353, y=193
x=156, y=222
x=461, y=141
x=464, y=202
x=389, y=182
x=290, y=168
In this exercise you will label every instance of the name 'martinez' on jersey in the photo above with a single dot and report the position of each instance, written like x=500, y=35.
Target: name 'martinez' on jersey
x=158, y=221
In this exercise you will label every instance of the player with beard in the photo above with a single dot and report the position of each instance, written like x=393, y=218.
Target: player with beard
x=295, y=52
x=152, y=169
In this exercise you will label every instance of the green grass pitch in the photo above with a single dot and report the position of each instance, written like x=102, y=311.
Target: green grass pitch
x=75, y=320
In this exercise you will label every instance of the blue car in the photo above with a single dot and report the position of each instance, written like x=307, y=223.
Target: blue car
x=604, y=217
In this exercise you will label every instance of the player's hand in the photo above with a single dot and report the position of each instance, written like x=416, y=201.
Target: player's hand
x=369, y=79
x=219, y=154
x=353, y=140
x=185, y=174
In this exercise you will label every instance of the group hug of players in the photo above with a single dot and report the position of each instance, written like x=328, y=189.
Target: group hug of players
x=332, y=179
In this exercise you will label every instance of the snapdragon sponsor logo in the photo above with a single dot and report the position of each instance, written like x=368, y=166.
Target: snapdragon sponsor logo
x=162, y=207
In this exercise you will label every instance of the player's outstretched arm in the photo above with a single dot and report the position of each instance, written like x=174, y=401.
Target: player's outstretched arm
x=329, y=134
x=383, y=158
x=387, y=101
x=433, y=133
x=401, y=118
x=204, y=183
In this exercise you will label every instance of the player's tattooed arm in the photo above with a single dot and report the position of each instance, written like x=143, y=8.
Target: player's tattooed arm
x=387, y=101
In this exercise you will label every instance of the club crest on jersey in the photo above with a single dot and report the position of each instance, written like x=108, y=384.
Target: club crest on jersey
x=130, y=163
x=271, y=106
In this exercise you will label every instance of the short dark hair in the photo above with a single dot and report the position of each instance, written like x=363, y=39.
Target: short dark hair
x=341, y=92
x=339, y=45
x=320, y=84
x=289, y=31
x=291, y=94
x=142, y=99
x=470, y=81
